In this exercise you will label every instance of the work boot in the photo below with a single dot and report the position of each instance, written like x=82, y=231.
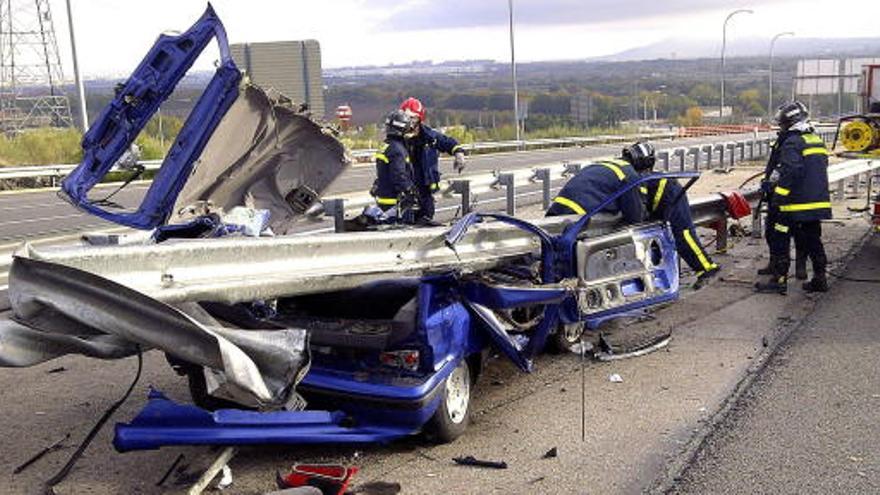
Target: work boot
x=768, y=268
x=705, y=277
x=820, y=281
x=800, y=267
x=776, y=284
x=818, y=284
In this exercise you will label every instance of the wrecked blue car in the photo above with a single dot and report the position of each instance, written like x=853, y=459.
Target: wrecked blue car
x=365, y=362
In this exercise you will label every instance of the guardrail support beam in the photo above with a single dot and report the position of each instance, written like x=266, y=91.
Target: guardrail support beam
x=336, y=209
x=543, y=175
x=508, y=182
x=463, y=187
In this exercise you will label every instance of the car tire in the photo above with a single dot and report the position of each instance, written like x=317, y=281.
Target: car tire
x=452, y=416
x=565, y=339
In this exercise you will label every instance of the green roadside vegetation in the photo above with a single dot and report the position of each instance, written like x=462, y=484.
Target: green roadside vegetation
x=51, y=146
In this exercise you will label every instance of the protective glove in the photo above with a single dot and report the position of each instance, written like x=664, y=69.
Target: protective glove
x=458, y=162
x=767, y=187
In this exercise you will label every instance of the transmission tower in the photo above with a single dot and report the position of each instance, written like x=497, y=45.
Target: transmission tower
x=30, y=68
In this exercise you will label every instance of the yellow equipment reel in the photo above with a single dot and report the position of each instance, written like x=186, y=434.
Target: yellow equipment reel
x=860, y=135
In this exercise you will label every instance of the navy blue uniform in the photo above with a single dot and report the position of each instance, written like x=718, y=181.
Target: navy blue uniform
x=594, y=184
x=800, y=200
x=424, y=150
x=394, y=173
x=666, y=200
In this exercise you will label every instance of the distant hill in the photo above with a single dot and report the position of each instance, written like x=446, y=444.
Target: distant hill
x=750, y=47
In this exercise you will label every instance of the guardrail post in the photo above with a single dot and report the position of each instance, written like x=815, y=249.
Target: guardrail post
x=840, y=191
x=732, y=155
x=336, y=208
x=543, y=175
x=856, y=184
x=663, y=156
x=721, y=155
x=742, y=150
x=681, y=153
x=463, y=187
x=721, y=235
x=752, y=150
x=696, y=152
x=707, y=148
x=507, y=181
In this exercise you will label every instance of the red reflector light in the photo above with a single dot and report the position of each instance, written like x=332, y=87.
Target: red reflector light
x=400, y=359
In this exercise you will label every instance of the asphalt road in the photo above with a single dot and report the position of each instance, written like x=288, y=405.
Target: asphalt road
x=42, y=214
x=811, y=423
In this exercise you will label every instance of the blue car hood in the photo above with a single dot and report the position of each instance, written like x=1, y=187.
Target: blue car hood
x=238, y=147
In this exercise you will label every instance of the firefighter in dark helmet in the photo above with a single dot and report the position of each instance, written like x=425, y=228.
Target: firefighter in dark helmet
x=798, y=185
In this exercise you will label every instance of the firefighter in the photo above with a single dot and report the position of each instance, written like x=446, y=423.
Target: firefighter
x=665, y=199
x=424, y=148
x=394, y=188
x=798, y=186
x=597, y=181
x=800, y=260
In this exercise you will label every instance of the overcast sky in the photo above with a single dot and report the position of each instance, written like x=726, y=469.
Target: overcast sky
x=113, y=35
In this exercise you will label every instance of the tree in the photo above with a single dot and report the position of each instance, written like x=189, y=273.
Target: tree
x=692, y=117
x=750, y=103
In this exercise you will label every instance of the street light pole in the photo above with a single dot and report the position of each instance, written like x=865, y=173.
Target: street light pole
x=723, y=48
x=80, y=87
x=770, y=87
x=513, y=74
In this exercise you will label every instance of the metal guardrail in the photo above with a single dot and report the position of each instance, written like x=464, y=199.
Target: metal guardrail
x=58, y=171
x=703, y=156
x=211, y=269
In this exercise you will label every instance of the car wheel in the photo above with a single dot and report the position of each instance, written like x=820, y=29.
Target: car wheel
x=566, y=338
x=452, y=416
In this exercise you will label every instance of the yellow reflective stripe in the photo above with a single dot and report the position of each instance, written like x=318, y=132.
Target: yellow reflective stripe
x=659, y=194
x=570, y=204
x=381, y=157
x=614, y=168
x=782, y=191
x=435, y=186
x=696, y=249
x=812, y=139
x=805, y=206
x=815, y=151
x=615, y=161
x=386, y=201
x=643, y=189
x=455, y=148
x=780, y=228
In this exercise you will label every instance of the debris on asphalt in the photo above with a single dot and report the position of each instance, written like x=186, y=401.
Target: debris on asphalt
x=615, y=378
x=537, y=480
x=59, y=369
x=225, y=478
x=764, y=341
x=39, y=455
x=377, y=488
x=331, y=479
x=472, y=461
x=215, y=468
x=551, y=454
x=170, y=470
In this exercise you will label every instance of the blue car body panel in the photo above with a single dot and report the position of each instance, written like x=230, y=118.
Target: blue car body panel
x=135, y=103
